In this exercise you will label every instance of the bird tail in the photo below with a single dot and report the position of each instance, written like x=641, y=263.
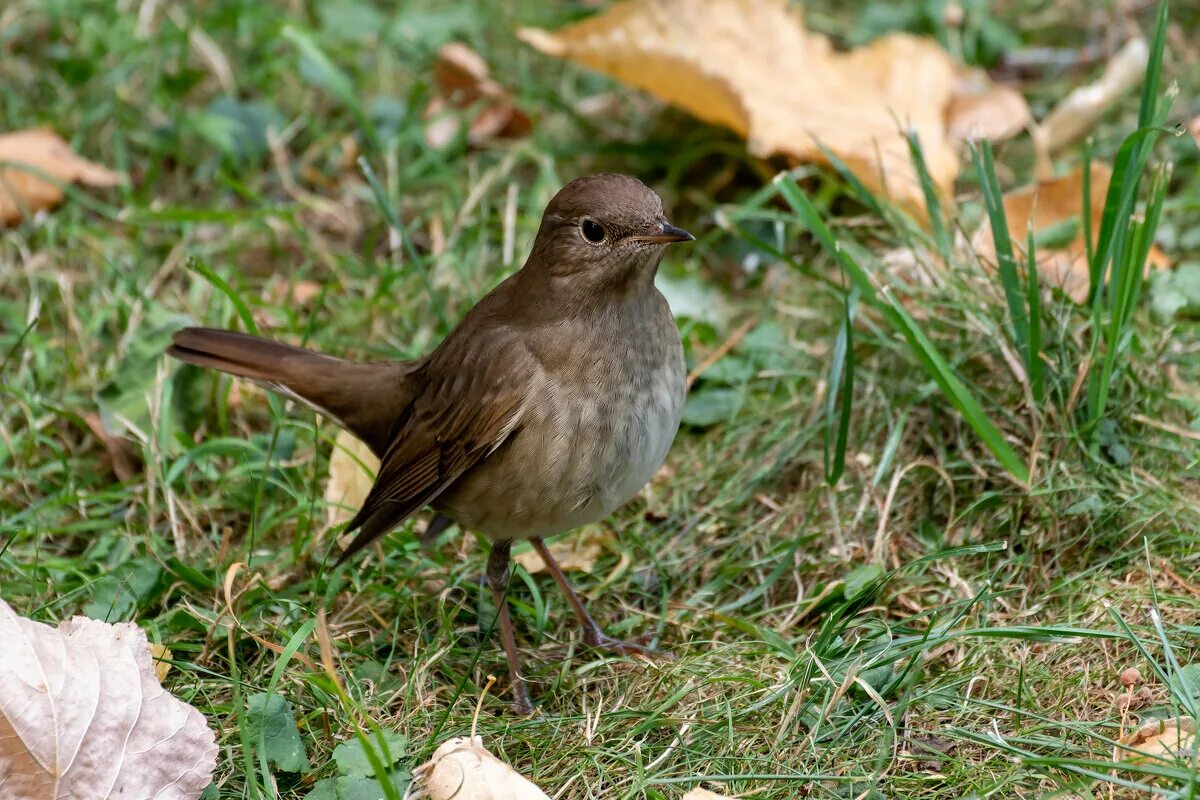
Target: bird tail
x=366, y=399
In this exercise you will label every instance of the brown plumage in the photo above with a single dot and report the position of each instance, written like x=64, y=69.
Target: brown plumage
x=552, y=402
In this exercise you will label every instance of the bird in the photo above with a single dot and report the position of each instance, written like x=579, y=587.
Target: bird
x=548, y=406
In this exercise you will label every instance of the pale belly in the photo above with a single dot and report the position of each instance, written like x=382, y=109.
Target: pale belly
x=577, y=456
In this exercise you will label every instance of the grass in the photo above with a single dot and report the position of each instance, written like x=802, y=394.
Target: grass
x=887, y=565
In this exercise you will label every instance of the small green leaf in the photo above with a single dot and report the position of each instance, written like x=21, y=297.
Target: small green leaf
x=124, y=400
x=1114, y=448
x=862, y=579
x=692, y=298
x=350, y=20
x=708, y=407
x=1176, y=293
x=324, y=789
x=730, y=371
x=767, y=346
x=369, y=788
x=272, y=727
x=240, y=128
x=352, y=759
x=316, y=67
x=1189, y=679
x=1091, y=505
x=116, y=596
x=433, y=27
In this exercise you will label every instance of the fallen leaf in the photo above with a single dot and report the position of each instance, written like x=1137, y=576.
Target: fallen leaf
x=1056, y=206
x=463, y=72
x=461, y=769
x=281, y=291
x=1176, y=293
x=356, y=775
x=443, y=126
x=703, y=794
x=352, y=468
x=1079, y=111
x=162, y=660
x=351, y=756
x=122, y=455
x=83, y=715
x=1161, y=740
x=464, y=81
x=752, y=66
x=271, y=728
x=23, y=189
x=979, y=109
x=303, y=292
x=578, y=553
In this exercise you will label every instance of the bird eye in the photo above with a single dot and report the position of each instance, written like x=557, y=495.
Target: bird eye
x=592, y=231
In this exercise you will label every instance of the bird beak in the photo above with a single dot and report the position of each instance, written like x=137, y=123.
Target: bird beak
x=666, y=233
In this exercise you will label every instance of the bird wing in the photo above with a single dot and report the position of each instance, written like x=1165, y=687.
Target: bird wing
x=470, y=403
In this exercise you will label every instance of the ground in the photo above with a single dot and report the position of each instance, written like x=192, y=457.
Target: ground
x=928, y=626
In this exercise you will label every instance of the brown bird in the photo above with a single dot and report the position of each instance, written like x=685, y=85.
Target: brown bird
x=550, y=405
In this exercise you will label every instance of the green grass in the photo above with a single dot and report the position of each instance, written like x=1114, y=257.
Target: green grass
x=884, y=563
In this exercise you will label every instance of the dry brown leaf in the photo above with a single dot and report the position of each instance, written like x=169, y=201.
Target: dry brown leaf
x=281, y=291
x=162, y=660
x=979, y=109
x=461, y=769
x=1077, y=114
x=1161, y=740
x=304, y=292
x=82, y=715
x=1050, y=203
x=44, y=151
x=122, y=454
x=352, y=468
x=578, y=553
x=703, y=794
x=463, y=81
x=1193, y=128
x=463, y=72
x=752, y=66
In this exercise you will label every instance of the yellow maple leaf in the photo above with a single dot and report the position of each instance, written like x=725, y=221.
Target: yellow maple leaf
x=752, y=66
x=1056, y=202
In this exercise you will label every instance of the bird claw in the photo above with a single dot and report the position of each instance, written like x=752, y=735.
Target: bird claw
x=638, y=647
x=522, y=707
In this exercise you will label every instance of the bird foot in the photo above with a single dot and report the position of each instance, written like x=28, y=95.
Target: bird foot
x=638, y=647
x=521, y=705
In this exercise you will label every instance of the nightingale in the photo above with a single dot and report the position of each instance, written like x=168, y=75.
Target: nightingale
x=551, y=404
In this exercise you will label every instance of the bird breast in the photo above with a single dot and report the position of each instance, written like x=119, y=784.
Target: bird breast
x=596, y=427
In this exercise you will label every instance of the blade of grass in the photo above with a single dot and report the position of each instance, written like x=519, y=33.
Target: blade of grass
x=1006, y=262
x=1089, y=246
x=333, y=79
x=859, y=189
x=1035, y=367
x=924, y=350
x=1117, y=227
x=222, y=286
x=393, y=219
x=937, y=222
x=839, y=397
x=1129, y=276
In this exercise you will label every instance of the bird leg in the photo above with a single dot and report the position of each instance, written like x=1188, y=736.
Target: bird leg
x=498, y=569
x=593, y=634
